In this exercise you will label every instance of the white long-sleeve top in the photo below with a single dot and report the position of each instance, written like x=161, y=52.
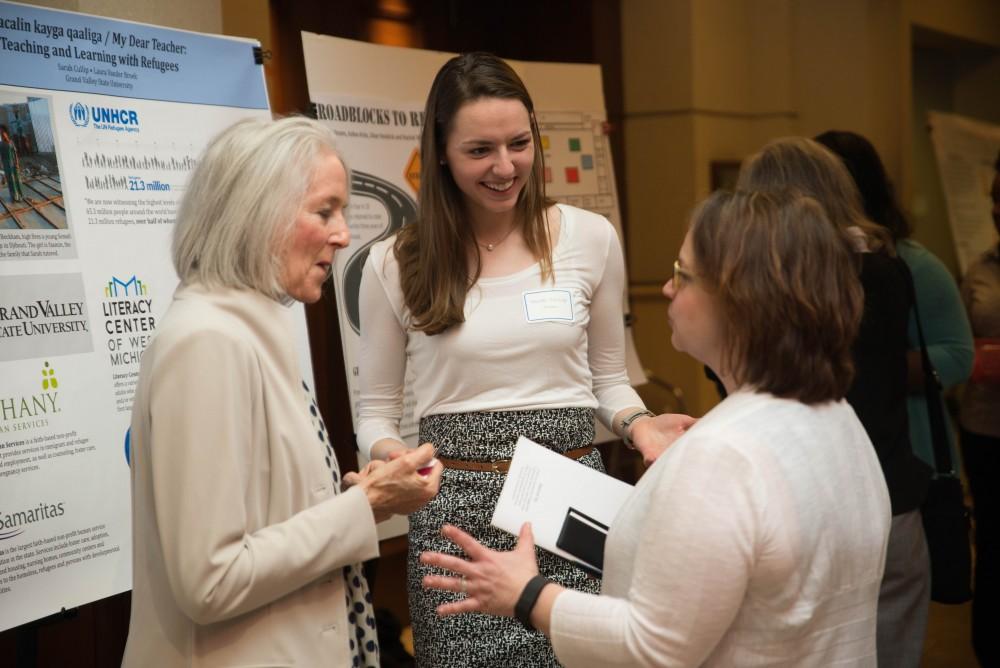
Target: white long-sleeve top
x=758, y=538
x=497, y=360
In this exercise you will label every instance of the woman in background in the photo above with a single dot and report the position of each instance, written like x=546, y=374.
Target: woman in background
x=942, y=315
x=878, y=393
x=759, y=537
x=980, y=421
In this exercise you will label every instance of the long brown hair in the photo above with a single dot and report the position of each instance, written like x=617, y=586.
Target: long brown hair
x=433, y=252
x=865, y=166
x=812, y=169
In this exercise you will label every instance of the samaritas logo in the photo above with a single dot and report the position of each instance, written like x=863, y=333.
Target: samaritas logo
x=14, y=524
x=115, y=119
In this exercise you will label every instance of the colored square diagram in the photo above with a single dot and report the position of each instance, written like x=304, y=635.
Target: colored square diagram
x=587, y=161
x=545, y=142
x=572, y=175
x=574, y=143
x=548, y=175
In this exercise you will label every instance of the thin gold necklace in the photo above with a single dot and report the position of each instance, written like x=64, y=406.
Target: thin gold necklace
x=492, y=246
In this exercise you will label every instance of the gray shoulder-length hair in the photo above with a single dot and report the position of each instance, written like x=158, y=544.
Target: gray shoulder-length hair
x=242, y=200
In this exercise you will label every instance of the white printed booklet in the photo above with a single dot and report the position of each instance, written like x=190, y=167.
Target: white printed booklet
x=570, y=506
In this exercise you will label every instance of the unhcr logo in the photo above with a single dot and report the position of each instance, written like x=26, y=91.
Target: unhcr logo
x=117, y=119
x=79, y=115
x=113, y=116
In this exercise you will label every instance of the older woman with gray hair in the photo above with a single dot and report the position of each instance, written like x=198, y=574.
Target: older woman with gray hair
x=245, y=550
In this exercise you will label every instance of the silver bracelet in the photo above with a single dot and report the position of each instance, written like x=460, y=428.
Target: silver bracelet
x=627, y=422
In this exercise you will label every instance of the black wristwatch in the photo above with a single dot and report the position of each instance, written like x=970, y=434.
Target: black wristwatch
x=526, y=603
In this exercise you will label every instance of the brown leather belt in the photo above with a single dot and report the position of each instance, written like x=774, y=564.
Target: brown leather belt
x=503, y=465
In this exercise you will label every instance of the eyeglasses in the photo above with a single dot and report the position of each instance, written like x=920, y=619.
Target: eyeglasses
x=681, y=276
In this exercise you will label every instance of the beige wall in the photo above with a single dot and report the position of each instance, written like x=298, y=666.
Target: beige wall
x=705, y=81
x=975, y=20
x=713, y=80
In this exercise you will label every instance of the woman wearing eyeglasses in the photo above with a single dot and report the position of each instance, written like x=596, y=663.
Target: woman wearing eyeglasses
x=759, y=537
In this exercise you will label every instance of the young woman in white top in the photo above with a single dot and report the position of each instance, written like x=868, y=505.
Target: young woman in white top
x=759, y=537
x=507, y=310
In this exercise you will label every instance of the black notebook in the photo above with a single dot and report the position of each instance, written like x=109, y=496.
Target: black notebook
x=583, y=537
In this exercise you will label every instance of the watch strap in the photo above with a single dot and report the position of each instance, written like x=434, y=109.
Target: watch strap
x=526, y=603
x=627, y=422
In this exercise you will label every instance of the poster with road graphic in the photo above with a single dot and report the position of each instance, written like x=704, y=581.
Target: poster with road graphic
x=103, y=122
x=382, y=201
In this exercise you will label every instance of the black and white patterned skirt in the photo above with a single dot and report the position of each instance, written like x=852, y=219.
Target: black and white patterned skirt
x=467, y=500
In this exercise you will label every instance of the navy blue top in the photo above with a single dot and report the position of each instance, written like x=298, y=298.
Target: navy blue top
x=878, y=393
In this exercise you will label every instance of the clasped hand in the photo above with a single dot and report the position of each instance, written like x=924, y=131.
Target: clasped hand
x=396, y=487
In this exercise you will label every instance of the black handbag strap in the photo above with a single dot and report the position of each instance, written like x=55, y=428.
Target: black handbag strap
x=932, y=391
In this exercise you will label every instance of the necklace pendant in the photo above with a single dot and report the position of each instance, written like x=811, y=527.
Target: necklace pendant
x=489, y=247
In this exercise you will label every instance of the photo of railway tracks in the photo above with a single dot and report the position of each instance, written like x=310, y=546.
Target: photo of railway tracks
x=31, y=194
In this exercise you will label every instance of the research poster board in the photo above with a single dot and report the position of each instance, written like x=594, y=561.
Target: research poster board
x=106, y=121
x=966, y=150
x=373, y=97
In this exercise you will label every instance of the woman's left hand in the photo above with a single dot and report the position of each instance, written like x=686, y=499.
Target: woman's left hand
x=652, y=436
x=492, y=581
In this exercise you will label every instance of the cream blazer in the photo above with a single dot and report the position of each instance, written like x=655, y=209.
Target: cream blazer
x=238, y=537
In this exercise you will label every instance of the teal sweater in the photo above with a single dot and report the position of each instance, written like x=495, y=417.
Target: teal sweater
x=948, y=336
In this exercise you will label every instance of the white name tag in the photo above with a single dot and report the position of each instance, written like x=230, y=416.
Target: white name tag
x=548, y=305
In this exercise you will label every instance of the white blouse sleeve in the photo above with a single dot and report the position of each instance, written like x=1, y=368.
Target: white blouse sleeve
x=691, y=571
x=381, y=364
x=606, y=337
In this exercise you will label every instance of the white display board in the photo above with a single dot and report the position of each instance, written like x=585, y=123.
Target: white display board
x=966, y=151
x=109, y=118
x=373, y=97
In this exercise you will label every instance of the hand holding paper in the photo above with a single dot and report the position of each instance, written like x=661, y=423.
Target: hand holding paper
x=542, y=486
